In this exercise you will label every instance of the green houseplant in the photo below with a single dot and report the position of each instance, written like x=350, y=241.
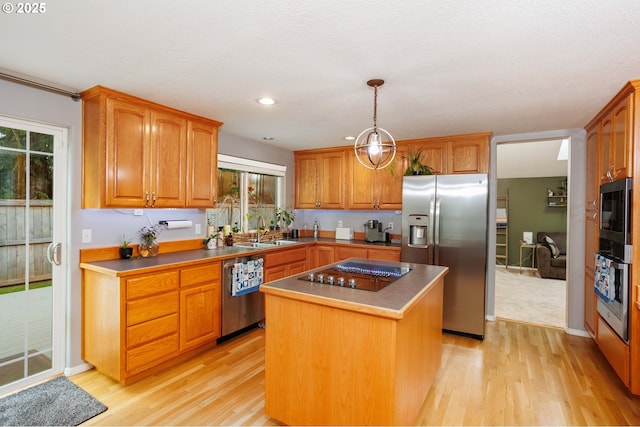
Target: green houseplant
x=286, y=217
x=126, y=251
x=415, y=164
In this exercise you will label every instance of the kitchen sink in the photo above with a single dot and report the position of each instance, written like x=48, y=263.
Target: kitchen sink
x=267, y=244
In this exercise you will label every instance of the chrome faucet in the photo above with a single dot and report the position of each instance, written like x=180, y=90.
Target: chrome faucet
x=261, y=225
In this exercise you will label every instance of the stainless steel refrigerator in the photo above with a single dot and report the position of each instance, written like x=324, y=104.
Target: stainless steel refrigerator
x=444, y=222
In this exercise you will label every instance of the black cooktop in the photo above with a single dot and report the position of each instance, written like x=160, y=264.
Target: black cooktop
x=356, y=275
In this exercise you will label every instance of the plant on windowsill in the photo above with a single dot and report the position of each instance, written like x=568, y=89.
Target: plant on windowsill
x=126, y=251
x=286, y=217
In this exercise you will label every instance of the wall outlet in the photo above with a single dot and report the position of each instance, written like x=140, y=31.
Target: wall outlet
x=86, y=235
x=198, y=228
x=340, y=223
x=390, y=225
x=137, y=212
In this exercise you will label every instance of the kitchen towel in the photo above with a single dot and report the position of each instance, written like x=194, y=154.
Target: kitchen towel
x=247, y=277
x=604, y=279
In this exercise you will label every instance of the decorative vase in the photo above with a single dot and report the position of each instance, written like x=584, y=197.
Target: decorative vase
x=148, y=249
x=126, y=253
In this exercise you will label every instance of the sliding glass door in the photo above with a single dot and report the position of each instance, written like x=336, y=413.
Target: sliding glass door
x=32, y=234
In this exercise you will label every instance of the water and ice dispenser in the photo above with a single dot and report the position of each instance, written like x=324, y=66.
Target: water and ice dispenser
x=418, y=230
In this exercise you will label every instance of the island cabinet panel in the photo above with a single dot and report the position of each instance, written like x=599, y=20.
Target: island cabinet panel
x=376, y=371
x=135, y=153
x=135, y=325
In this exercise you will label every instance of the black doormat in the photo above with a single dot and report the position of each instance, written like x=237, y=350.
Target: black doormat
x=57, y=402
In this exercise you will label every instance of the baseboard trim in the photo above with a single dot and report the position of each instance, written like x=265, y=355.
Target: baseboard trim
x=74, y=370
x=578, y=332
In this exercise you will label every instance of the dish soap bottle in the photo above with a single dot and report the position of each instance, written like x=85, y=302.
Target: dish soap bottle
x=315, y=229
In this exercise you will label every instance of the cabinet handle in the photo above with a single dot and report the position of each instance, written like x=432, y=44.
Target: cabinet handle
x=146, y=199
x=153, y=200
x=595, y=215
x=611, y=179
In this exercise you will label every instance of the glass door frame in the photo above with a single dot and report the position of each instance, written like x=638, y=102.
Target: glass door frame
x=60, y=234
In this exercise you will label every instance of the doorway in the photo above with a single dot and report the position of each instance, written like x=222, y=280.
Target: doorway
x=534, y=175
x=33, y=230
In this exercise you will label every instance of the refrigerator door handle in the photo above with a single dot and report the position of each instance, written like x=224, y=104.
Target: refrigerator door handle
x=436, y=233
x=432, y=210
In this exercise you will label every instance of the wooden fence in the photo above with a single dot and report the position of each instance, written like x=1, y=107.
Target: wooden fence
x=15, y=221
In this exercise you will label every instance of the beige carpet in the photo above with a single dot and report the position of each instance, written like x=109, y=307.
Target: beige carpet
x=525, y=297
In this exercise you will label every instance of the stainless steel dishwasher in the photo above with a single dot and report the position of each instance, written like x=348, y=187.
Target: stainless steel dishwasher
x=238, y=312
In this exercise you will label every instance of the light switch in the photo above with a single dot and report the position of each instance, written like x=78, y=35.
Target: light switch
x=198, y=228
x=86, y=235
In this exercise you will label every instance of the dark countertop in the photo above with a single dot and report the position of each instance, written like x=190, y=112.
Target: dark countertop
x=392, y=301
x=126, y=267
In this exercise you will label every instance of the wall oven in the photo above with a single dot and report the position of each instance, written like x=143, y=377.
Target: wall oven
x=614, y=255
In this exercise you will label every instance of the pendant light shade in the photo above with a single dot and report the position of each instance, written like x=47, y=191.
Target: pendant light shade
x=375, y=148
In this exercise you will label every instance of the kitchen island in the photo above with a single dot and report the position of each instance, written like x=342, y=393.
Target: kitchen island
x=341, y=356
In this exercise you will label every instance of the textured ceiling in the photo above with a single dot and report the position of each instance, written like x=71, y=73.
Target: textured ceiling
x=450, y=66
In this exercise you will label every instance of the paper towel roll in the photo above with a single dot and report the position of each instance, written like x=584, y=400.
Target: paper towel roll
x=179, y=224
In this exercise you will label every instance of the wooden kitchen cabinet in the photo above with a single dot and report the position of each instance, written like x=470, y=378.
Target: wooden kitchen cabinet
x=281, y=264
x=134, y=325
x=140, y=154
x=615, y=146
x=199, y=305
x=455, y=154
x=320, y=255
x=320, y=179
x=374, y=189
x=344, y=252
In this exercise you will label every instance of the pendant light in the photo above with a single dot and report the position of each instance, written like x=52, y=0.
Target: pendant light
x=375, y=148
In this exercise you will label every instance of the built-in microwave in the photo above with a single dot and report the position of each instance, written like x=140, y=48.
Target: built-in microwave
x=615, y=219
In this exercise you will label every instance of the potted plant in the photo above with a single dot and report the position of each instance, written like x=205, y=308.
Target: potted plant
x=415, y=164
x=126, y=251
x=149, y=245
x=286, y=217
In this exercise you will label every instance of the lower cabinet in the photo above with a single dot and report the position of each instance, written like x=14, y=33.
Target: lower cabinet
x=199, y=306
x=133, y=325
x=614, y=349
x=320, y=255
x=284, y=263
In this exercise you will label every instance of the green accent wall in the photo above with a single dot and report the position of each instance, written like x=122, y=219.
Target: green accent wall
x=528, y=211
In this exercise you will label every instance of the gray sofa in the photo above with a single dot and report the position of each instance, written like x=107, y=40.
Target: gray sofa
x=550, y=266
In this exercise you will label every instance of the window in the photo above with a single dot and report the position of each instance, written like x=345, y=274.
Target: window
x=247, y=189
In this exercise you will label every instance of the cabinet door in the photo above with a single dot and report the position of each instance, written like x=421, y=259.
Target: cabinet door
x=361, y=183
x=467, y=157
x=275, y=273
x=606, y=139
x=331, y=180
x=344, y=252
x=324, y=255
x=383, y=254
x=168, y=159
x=434, y=155
x=199, y=315
x=298, y=267
x=127, y=155
x=202, y=165
x=621, y=144
x=306, y=172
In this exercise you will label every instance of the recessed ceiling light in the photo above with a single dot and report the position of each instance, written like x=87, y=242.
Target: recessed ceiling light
x=267, y=138
x=266, y=101
x=349, y=138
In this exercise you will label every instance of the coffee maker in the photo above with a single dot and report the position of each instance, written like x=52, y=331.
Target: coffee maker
x=374, y=233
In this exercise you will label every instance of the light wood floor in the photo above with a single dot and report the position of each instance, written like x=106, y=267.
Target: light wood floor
x=519, y=375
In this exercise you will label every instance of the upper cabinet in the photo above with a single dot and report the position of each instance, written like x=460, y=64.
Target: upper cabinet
x=374, y=189
x=319, y=179
x=456, y=154
x=139, y=154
